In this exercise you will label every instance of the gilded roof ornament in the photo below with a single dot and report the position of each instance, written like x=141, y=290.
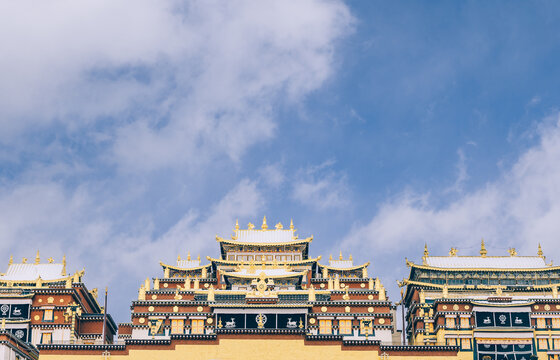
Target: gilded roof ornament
x=426, y=252
x=512, y=252
x=279, y=226
x=178, y=258
x=453, y=252
x=236, y=224
x=63, y=265
x=189, y=256
x=250, y=226
x=264, y=226
x=483, y=251
x=350, y=258
x=540, y=252
x=50, y=260
x=37, y=258
x=11, y=260
x=340, y=255
x=291, y=224
x=330, y=257
x=24, y=260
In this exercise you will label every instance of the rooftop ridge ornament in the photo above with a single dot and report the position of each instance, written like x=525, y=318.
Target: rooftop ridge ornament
x=453, y=252
x=264, y=226
x=11, y=261
x=236, y=224
x=512, y=252
x=250, y=226
x=540, y=252
x=279, y=226
x=483, y=251
x=37, y=258
x=291, y=224
x=340, y=255
x=63, y=272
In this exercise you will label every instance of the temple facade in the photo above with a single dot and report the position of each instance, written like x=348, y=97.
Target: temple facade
x=491, y=307
x=43, y=305
x=262, y=296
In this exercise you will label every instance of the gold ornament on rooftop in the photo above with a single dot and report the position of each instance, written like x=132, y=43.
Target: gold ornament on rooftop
x=483, y=251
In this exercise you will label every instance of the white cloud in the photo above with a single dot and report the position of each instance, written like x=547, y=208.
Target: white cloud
x=172, y=83
x=321, y=187
x=519, y=209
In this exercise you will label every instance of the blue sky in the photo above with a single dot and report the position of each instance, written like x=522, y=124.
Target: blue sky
x=132, y=132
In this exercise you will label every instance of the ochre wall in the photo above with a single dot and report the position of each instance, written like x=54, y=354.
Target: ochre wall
x=254, y=349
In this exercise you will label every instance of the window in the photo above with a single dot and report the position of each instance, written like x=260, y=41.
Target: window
x=543, y=344
x=556, y=344
x=325, y=326
x=450, y=322
x=269, y=257
x=466, y=344
x=366, y=326
x=297, y=257
x=258, y=257
x=465, y=323
x=451, y=342
x=231, y=257
x=48, y=315
x=556, y=323
x=345, y=326
x=177, y=326
x=541, y=323
x=197, y=326
x=46, y=338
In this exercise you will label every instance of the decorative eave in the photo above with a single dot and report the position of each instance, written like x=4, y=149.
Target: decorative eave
x=43, y=282
x=344, y=269
x=172, y=267
x=294, y=242
x=258, y=273
x=280, y=263
x=428, y=267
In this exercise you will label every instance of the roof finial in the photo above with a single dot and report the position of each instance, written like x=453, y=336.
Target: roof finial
x=426, y=252
x=540, y=252
x=236, y=224
x=264, y=226
x=24, y=260
x=37, y=258
x=279, y=226
x=291, y=224
x=189, y=256
x=250, y=226
x=198, y=258
x=63, y=265
x=512, y=252
x=350, y=258
x=340, y=255
x=330, y=257
x=453, y=252
x=483, y=251
x=11, y=260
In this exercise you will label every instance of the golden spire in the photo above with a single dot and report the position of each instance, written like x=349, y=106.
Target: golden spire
x=63, y=265
x=291, y=224
x=453, y=252
x=11, y=260
x=264, y=226
x=50, y=260
x=350, y=258
x=340, y=255
x=189, y=256
x=483, y=251
x=178, y=258
x=198, y=258
x=24, y=260
x=330, y=257
x=236, y=224
x=279, y=226
x=540, y=252
x=426, y=252
x=37, y=258
x=512, y=252
x=250, y=226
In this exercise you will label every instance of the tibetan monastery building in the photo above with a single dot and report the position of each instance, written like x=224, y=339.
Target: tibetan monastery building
x=263, y=297
x=42, y=305
x=491, y=307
